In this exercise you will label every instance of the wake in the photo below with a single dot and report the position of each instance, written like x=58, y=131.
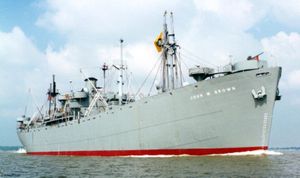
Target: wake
x=20, y=151
x=251, y=153
x=245, y=153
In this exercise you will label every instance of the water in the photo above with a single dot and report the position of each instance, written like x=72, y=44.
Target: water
x=276, y=163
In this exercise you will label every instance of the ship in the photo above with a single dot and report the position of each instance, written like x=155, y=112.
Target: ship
x=223, y=111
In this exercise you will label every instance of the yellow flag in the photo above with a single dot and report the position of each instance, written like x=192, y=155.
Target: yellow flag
x=158, y=42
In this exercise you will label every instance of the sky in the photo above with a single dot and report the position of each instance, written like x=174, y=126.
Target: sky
x=39, y=38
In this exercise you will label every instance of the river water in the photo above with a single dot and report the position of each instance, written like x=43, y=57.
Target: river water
x=276, y=163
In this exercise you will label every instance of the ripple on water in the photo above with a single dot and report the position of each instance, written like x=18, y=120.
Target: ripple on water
x=267, y=164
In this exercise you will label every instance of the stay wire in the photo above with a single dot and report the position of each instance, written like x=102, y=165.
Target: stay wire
x=199, y=58
x=158, y=69
x=146, y=78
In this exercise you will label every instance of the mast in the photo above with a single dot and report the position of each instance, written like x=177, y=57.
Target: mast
x=49, y=99
x=121, y=83
x=52, y=95
x=172, y=51
x=176, y=66
x=104, y=69
x=171, y=66
x=54, y=91
x=165, y=55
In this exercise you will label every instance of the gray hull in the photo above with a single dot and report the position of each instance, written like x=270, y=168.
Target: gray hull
x=219, y=115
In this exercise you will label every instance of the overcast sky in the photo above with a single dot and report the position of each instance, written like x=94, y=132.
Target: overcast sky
x=41, y=38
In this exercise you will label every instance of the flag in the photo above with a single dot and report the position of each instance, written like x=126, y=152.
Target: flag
x=158, y=42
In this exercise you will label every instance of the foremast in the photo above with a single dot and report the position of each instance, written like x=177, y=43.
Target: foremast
x=121, y=68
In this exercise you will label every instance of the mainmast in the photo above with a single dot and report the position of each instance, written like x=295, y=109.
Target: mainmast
x=167, y=44
x=165, y=55
x=176, y=64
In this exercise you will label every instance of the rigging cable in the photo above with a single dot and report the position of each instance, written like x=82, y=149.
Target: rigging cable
x=147, y=78
x=199, y=58
x=155, y=77
x=180, y=70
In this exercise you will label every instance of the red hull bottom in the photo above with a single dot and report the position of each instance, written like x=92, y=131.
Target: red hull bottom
x=152, y=152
